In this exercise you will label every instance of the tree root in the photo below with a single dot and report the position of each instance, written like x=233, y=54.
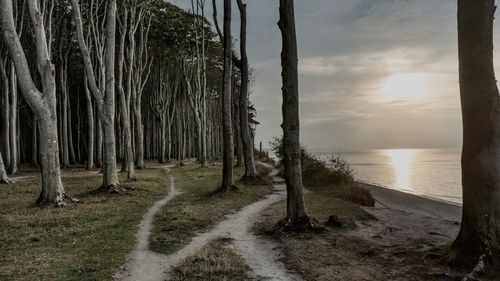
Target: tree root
x=478, y=269
x=255, y=180
x=111, y=189
x=298, y=225
x=6, y=181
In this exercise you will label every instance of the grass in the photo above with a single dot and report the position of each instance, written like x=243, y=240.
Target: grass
x=198, y=209
x=215, y=262
x=85, y=241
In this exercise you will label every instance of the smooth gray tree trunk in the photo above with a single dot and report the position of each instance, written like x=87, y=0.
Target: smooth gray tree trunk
x=110, y=175
x=43, y=104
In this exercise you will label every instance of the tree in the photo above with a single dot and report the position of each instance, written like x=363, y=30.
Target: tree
x=228, y=153
x=246, y=139
x=105, y=100
x=43, y=104
x=480, y=229
x=296, y=216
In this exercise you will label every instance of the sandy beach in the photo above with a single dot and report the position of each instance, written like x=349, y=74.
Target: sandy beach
x=415, y=204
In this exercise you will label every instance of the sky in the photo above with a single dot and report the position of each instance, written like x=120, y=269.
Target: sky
x=373, y=73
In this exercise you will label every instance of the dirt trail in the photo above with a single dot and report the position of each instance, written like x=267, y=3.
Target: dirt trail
x=144, y=264
x=262, y=255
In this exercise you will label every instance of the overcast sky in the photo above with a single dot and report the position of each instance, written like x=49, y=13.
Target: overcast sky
x=373, y=73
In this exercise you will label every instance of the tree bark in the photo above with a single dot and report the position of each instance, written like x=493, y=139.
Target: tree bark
x=480, y=229
x=248, y=149
x=296, y=218
x=227, y=164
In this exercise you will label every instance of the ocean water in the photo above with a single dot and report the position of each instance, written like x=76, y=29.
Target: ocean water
x=429, y=172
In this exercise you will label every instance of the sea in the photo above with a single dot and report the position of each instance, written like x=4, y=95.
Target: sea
x=433, y=173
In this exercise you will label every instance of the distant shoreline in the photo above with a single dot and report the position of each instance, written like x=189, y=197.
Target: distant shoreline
x=412, y=203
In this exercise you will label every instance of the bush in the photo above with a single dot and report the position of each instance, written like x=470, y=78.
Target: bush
x=335, y=173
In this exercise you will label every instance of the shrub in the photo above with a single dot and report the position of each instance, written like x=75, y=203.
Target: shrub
x=336, y=173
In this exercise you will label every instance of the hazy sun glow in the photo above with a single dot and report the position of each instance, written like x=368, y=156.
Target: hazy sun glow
x=401, y=161
x=404, y=87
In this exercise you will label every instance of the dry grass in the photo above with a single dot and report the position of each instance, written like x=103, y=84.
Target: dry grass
x=215, y=262
x=199, y=208
x=336, y=254
x=86, y=241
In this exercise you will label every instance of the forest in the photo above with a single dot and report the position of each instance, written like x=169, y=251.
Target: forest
x=128, y=152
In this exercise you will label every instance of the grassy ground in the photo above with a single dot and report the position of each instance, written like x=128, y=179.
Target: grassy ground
x=215, y=262
x=198, y=209
x=85, y=241
x=317, y=256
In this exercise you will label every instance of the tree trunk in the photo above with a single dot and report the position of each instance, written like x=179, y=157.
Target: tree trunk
x=64, y=114
x=480, y=228
x=13, y=123
x=105, y=99
x=238, y=146
x=227, y=164
x=43, y=104
x=248, y=149
x=90, y=128
x=296, y=217
x=139, y=138
x=5, y=112
x=4, y=179
x=34, y=149
x=99, y=146
x=71, y=147
x=110, y=175
x=128, y=154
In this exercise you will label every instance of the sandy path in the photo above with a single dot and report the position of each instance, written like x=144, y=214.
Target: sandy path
x=142, y=263
x=262, y=255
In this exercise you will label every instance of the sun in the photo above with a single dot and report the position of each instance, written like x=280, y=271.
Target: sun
x=403, y=87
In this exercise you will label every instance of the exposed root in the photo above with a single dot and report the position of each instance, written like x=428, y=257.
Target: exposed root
x=6, y=181
x=298, y=225
x=255, y=180
x=57, y=203
x=111, y=189
x=71, y=198
x=478, y=269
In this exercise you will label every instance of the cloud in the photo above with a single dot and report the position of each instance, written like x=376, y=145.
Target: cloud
x=348, y=49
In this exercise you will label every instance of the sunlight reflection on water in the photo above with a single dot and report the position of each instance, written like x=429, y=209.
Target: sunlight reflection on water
x=430, y=172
